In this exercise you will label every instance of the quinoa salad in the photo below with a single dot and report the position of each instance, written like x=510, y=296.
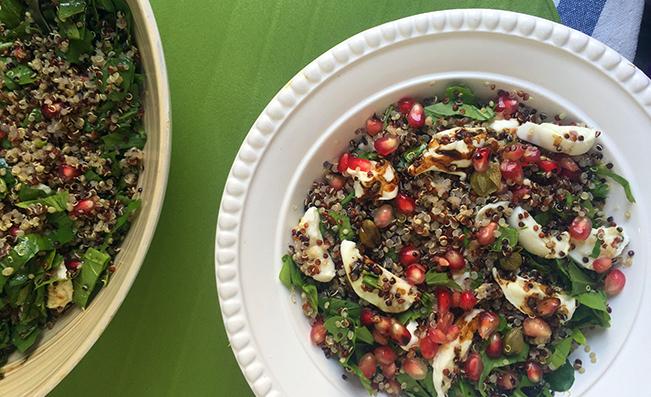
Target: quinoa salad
x=459, y=247
x=71, y=140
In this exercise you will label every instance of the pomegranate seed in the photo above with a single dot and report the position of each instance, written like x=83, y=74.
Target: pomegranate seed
x=488, y=323
x=73, y=265
x=567, y=163
x=468, y=300
x=495, y=346
x=601, y=265
x=428, y=348
x=416, y=116
x=547, y=165
x=521, y=193
x=473, y=367
x=83, y=207
x=383, y=325
x=547, y=307
x=14, y=230
x=436, y=336
x=367, y=365
x=374, y=126
x=486, y=234
x=415, y=367
x=455, y=260
x=580, y=228
x=385, y=355
x=52, y=110
x=342, y=166
x=513, y=152
x=440, y=261
x=383, y=216
x=455, y=299
x=405, y=204
x=512, y=171
x=405, y=105
x=355, y=163
x=379, y=338
x=68, y=172
x=531, y=154
x=538, y=329
x=336, y=182
x=400, y=334
x=389, y=370
x=318, y=332
x=408, y=255
x=506, y=105
x=534, y=372
x=480, y=159
x=386, y=145
x=444, y=321
x=507, y=380
x=614, y=282
x=367, y=317
x=392, y=388
x=443, y=301
x=415, y=274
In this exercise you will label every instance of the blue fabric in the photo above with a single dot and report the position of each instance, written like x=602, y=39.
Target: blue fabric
x=581, y=14
x=614, y=22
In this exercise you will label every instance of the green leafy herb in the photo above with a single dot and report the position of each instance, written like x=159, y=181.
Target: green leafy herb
x=364, y=335
x=12, y=13
x=335, y=306
x=580, y=281
x=371, y=280
x=21, y=75
x=93, y=265
x=25, y=336
x=441, y=280
x=64, y=231
x=131, y=207
x=595, y=300
x=542, y=218
x=602, y=170
x=367, y=155
x=344, y=228
x=492, y=363
x=596, y=249
x=28, y=193
x=560, y=353
x=461, y=93
x=508, y=234
x=387, y=115
x=462, y=388
x=449, y=109
x=366, y=382
x=69, y=8
x=26, y=248
x=585, y=316
x=289, y=273
x=312, y=296
x=91, y=176
x=485, y=183
x=349, y=197
x=562, y=378
x=57, y=202
x=412, y=154
x=600, y=190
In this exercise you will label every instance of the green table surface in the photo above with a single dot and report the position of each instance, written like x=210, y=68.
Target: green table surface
x=226, y=60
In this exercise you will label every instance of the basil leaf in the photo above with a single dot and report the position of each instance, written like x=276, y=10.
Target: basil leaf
x=364, y=335
x=462, y=93
x=594, y=300
x=441, y=280
x=441, y=109
x=562, y=379
x=68, y=8
x=605, y=171
x=507, y=233
x=93, y=264
x=58, y=202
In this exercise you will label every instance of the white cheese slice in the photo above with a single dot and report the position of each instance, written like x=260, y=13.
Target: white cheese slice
x=499, y=206
x=382, y=172
x=447, y=354
x=411, y=327
x=570, y=140
x=59, y=294
x=501, y=125
x=612, y=240
x=519, y=291
x=354, y=263
x=317, y=255
x=531, y=238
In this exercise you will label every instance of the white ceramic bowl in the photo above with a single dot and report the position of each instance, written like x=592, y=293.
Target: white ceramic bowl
x=63, y=346
x=312, y=118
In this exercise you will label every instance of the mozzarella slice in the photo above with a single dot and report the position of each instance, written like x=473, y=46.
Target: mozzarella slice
x=443, y=362
x=313, y=257
x=483, y=212
x=411, y=327
x=531, y=237
x=519, y=291
x=449, y=150
x=381, y=172
x=613, y=243
x=504, y=125
x=59, y=294
x=566, y=139
x=355, y=265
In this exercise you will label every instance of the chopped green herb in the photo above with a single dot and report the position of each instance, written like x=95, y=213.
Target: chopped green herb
x=605, y=171
x=441, y=279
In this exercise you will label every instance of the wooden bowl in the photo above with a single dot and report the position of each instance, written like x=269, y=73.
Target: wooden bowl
x=62, y=347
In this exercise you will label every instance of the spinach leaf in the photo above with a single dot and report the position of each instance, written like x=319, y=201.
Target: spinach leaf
x=131, y=207
x=354, y=369
x=508, y=234
x=602, y=170
x=68, y=8
x=93, y=264
x=57, y=202
x=28, y=193
x=561, y=351
x=580, y=281
x=12, y=13
x=441, y=280
x=37, y=15
x=289, y=273
x=344, y=228
x=25, y=335
x=64, y=231
x=335, y=306
x=92, y=176
x=449, y=109
x=312, y=296
x=121, y=140
x=462, y=388
x=364, y=335
x=26, y=248
x=21, y=75
x=585, y=317
x=492, y=363
x=594, y=300
x=562, y=378
x=126, y=69
x=462, y=93
x=596, y=249
x=415, y=388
